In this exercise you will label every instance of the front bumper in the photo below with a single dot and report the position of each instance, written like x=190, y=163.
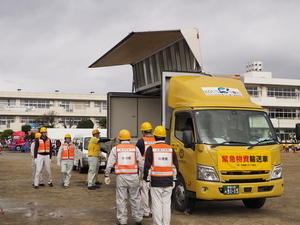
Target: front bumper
x=214, y=190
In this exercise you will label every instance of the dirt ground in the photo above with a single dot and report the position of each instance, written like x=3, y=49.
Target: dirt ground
x=22, y=204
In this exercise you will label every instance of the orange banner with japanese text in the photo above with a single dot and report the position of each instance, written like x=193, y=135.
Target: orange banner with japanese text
x=232, y=160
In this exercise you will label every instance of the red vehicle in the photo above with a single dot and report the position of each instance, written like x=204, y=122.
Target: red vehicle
x=17, y=141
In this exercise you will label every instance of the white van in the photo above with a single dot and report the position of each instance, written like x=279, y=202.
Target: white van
x=81, y=142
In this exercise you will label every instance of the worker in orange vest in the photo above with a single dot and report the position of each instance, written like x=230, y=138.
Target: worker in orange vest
x=143, y=144
x=42, y=156
x=127, y=161
x=65, y=159
x=160, y=173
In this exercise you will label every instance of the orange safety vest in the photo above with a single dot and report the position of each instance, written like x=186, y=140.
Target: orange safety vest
x=162, y=160
x=126, y=159
x=68, y=151
x=44, y=146
x=147, y=142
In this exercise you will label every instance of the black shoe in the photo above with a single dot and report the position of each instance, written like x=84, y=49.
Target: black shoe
x=96, y=186
x=149, y=216
x=138, y=223
x=100, y=183
x=118, y=223
x=50, y=184
x=92, y=188
x=42, y=184
x=36, y=187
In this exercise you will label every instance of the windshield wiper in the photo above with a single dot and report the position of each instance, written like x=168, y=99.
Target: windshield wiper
x=262, y=141
x=228, y=142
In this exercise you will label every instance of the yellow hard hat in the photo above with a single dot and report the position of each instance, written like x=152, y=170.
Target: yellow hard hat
x=124, y=135
x=160, y=131
x=95, y=131
x=68, y=136
x=37, y=135
x=43, y=130
x=146, y=126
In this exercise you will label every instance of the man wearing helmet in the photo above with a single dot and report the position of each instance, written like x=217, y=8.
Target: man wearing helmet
x=94, y=148
x=143, y=144
x=33, y=164
x=127, y=161
x=160, y=172
x=65, y=159
x=42, y=156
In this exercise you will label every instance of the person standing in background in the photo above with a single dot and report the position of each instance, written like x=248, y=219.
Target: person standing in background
x=42, y=156
x=65, y=159
x=33, y=165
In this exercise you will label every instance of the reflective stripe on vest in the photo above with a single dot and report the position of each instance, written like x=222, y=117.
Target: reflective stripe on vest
x=44, y=146
x=162, y=160
x=147, y=142
x=68, y=152
x=126, y=159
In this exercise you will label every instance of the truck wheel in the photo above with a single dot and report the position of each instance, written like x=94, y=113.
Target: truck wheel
x=18, y=148
x=254, y=203
x=181, y=202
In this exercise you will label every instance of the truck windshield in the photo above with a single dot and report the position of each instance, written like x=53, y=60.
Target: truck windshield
x=234, y=127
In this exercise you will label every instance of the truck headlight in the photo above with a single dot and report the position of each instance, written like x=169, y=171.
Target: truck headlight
x=206, y=173
x=277, y=172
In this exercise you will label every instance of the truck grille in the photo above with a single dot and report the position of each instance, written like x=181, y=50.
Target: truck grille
x=245, y=180
x=245, y=173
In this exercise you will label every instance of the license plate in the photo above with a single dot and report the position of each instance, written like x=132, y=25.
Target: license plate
x=231, y=190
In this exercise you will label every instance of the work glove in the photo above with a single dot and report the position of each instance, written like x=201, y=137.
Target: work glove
x=148, y=184
x=174, y=183
x=107, y=180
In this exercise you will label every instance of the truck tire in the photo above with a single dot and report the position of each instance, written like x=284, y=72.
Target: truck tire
x=18, y=148
x=254, y=203
x=181, y=202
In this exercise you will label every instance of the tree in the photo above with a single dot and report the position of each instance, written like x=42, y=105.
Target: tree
x=47, y=119
x=102, y=122
x=85, y=124
x=6, y=133
x=68, y=122
x=26, y=128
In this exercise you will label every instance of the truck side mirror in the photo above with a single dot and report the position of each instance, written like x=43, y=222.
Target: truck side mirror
x=187, y=139
x=298, y=131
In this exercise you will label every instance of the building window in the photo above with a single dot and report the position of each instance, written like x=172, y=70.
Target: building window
x=41, y=104
x=284, y=113
x=28, y=119
x=253, y=91
x=6, y=121
x=101, y=105
x=70, y=121
x=70, y=106
x=5, y=102
x=283, y=92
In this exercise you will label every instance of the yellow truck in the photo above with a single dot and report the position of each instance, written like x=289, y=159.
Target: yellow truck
x=226, y=145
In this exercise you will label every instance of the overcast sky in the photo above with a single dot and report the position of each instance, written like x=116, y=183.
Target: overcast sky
x=49, y=44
